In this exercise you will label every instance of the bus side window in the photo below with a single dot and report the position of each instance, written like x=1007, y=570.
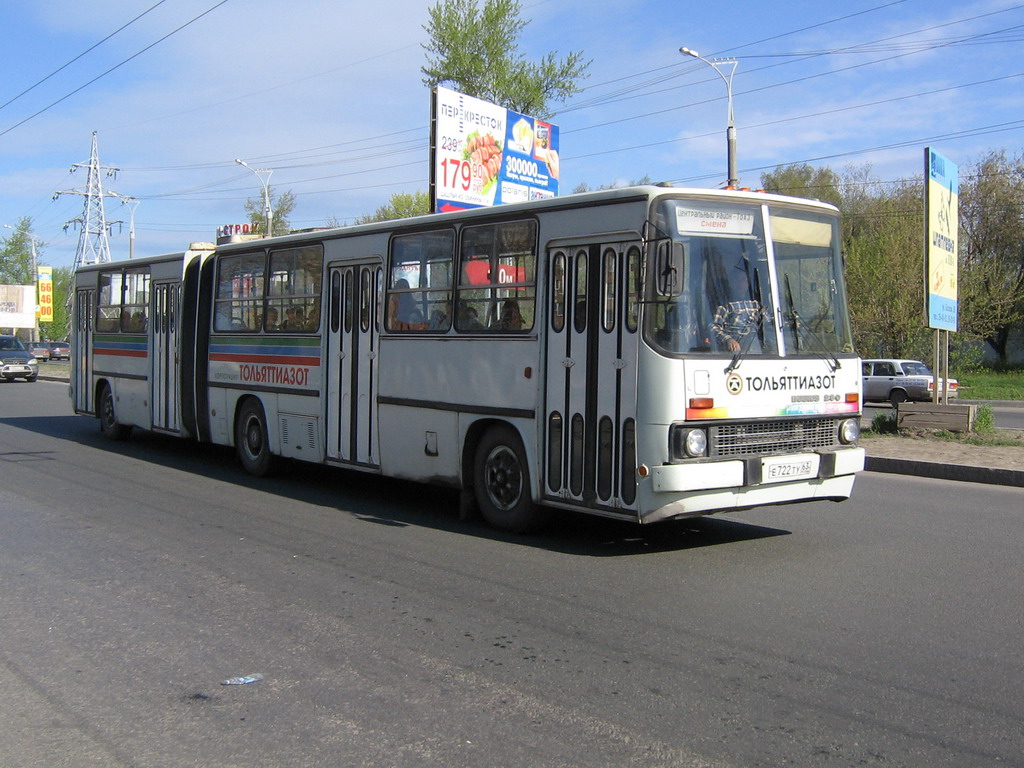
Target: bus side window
x=293, y=287
x=498, y=277
x=108, y=304
x=420, y=289
x=239, y=298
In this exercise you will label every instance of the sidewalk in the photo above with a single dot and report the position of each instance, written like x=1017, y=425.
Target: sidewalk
x=948, y=460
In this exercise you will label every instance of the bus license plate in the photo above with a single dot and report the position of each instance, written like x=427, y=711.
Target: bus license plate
x=785, y=468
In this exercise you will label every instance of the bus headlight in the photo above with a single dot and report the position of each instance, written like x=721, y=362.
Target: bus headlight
x=687, y=442
x=849, y=431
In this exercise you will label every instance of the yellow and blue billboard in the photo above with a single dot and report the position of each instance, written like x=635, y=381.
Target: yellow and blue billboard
x=941, y=223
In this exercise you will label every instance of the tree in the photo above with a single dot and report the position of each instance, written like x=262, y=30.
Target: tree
x=804, y=181
x=280, y=207
x=400, y=206
x=882, y=243
x=16, y=255
x=475, y=50
x=991, y=285
x=881, y=239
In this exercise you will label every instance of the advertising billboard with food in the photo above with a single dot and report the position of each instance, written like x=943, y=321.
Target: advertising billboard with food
x=483, y=154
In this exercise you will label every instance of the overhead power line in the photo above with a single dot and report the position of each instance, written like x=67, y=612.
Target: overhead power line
x=113, y=68
x=83, y=53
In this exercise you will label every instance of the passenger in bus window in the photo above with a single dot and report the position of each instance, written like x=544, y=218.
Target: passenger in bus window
x=511, y=319
x=468, y=318
x=313, y=315
x=738, y=317
x=272, y=319
x=440, y=318
x=133, y=322
x=295, y=319
x=403, y=315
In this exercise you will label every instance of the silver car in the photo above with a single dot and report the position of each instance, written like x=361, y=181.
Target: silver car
x=899, y=381
x=16, y=362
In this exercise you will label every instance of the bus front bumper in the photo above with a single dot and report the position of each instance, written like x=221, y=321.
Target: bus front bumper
x=756, y=472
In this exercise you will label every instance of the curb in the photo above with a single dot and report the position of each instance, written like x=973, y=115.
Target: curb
x=967, y=474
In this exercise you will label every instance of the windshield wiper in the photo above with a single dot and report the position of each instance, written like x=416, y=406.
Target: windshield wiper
x=799, y=328
x=745, y=339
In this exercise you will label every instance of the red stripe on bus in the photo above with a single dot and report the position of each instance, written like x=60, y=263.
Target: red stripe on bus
x=120, y=352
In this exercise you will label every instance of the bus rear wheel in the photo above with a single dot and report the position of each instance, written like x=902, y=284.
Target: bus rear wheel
x=108, y=417
x=252, y=441
x=502, y=482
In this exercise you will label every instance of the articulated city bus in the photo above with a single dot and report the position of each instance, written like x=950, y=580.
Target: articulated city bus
x=644, y=354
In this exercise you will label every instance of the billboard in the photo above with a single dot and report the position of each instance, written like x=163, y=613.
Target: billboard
x=45, y=281
x=942, y=192
x=482, y=154
x=17, y=306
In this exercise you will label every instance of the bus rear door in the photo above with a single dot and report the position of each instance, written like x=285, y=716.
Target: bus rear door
x=165, y=374
x=352, y=342
x=81, y=360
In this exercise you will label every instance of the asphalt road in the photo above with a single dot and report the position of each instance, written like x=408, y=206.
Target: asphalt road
x=138, y=576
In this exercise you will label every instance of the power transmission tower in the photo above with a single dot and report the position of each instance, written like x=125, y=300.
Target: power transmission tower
x=93, y=227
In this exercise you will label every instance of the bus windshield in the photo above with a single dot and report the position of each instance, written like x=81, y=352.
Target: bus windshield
x=746, y=279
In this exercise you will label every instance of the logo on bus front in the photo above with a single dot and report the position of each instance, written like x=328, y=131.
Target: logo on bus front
x=734, y=384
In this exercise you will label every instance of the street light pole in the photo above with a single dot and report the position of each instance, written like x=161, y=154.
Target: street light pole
x=267, y=213
x=35, y=281
x=730, y=131
x=132, y=203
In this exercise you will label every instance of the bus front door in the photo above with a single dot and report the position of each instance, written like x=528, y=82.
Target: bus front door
x=354, y=329
x=590, y=413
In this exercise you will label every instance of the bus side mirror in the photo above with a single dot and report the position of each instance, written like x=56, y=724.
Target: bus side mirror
x=670, y=269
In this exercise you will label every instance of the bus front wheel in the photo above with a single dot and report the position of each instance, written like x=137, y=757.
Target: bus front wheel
x=109, y=426
x=252, y=440
x=502, y=482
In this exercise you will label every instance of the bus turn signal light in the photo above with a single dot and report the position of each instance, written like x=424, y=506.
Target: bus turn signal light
x=702, y=402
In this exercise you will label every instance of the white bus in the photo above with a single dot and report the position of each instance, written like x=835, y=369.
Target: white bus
x=643, y=354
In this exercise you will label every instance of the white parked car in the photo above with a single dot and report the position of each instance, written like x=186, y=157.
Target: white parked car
x=899, y=381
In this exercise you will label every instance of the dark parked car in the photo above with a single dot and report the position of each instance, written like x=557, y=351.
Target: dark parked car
x=60, y=350
x=16, y=361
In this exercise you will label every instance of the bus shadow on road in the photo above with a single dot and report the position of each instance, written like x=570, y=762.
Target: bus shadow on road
x=396, y=503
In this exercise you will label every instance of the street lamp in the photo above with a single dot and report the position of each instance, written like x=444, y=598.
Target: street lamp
x=267, y=213
x=132, y=204
x=730, y=131
x=35, y=280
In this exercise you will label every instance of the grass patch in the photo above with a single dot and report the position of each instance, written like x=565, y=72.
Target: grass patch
x=884, y=423
x=985, y=384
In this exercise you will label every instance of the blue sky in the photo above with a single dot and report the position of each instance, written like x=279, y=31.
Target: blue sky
x=330, y=96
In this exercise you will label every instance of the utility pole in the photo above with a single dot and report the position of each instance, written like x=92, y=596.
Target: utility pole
x=94, y=229
x=268, y=213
